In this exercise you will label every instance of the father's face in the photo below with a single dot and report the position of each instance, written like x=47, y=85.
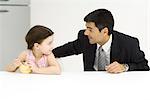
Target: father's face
x=93, y=33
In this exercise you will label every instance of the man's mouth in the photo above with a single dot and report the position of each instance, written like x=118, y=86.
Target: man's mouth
x=90, y=38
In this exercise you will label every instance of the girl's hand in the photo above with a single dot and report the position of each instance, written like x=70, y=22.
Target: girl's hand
x=33, y=65
x=30, y=63
x=17, y=63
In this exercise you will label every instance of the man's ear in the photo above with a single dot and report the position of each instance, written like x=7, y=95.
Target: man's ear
x=105, y=31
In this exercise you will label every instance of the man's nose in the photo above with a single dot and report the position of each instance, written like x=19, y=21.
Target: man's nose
x=86, y=32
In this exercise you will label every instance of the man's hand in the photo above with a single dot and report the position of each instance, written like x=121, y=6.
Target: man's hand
x=115, y=67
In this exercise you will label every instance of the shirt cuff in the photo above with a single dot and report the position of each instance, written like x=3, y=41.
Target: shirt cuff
x=126, y=66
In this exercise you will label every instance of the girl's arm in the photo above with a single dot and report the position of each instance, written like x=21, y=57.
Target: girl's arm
x=53, y=68
x=12, y=67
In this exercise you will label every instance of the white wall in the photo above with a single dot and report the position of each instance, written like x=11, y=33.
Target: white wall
x=65, y=18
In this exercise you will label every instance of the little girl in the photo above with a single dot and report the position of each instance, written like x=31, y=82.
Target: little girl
x=39, y=54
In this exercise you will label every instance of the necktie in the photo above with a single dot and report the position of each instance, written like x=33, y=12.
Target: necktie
x=102, y=61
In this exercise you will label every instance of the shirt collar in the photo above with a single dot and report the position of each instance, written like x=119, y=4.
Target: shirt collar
x=107, y=45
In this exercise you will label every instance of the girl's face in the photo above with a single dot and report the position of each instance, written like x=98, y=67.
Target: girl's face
x=47, y=45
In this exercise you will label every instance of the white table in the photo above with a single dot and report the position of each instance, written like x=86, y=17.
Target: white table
x=75, y=86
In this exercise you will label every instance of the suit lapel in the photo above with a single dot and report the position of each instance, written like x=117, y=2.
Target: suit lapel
x=115, y=50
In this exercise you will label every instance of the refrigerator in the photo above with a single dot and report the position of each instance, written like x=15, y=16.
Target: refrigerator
x=14, y=25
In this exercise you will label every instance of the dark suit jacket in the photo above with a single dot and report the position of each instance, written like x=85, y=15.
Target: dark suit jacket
x=124, y=49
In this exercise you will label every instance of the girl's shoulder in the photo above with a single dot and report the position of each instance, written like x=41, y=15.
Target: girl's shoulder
x=25, y=52
x=22, y=55
x=50, y=57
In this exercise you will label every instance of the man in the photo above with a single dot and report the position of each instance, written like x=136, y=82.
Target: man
x=103, y=48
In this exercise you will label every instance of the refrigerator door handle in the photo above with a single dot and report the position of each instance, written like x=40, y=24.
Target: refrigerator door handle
x=4, y=11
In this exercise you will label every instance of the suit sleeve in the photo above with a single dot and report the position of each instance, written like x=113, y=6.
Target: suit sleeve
x=139, y=63
x=71, y=48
